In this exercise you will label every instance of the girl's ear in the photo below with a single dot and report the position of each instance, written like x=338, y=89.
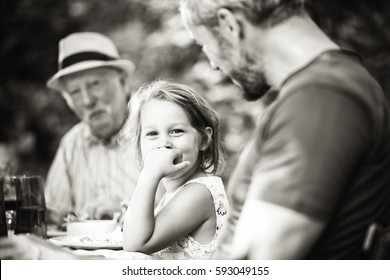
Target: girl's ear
x=206, y=140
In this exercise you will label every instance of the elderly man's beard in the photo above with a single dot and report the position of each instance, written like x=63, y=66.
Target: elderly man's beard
x=250, y=78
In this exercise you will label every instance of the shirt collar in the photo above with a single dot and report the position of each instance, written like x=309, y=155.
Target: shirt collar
x=92, y=140
x=323, y=55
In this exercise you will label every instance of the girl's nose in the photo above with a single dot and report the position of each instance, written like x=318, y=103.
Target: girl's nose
x=168, y=146
x=165, y=142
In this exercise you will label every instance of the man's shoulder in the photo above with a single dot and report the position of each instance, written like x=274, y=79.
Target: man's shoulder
x=339, y=72
x=336, y=75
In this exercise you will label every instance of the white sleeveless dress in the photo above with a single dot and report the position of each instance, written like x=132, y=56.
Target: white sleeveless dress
x=187, y=247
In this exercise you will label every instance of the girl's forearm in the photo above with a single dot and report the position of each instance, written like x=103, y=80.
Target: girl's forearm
x=139, y=219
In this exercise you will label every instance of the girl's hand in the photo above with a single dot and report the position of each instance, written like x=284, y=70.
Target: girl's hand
x=163, y=161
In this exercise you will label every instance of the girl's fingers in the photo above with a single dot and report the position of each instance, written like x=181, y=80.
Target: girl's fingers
x=181, y=165
x=177, y=156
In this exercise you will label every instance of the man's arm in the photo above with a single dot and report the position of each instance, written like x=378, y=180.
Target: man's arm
x=58, y=188
x=308, y=152
x=269, y=231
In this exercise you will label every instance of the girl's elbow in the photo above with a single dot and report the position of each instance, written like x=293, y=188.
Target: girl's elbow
x=131, y=246
x=128, y=248
x=130, y=243
x=134, y=247
x=133, y=242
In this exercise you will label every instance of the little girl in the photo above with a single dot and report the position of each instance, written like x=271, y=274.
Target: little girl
x=176, y=137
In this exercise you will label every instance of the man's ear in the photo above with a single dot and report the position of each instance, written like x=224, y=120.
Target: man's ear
x=230, y=24
x=206, y=138
x=65, y=94
x=124, y=80
x=67, y=98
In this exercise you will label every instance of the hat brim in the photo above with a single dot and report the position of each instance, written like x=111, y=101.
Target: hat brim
x=54, y=82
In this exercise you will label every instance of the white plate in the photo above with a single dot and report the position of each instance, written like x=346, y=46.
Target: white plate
x=53, y=233
x=90, y=241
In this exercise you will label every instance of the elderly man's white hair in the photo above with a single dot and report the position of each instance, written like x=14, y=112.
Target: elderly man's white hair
x=203, y=12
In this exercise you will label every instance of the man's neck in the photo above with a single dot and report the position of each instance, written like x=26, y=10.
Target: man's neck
x=111, y=133
x=290, y=46
x=106, y=139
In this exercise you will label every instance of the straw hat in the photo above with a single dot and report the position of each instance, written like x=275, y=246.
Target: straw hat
x=87, y=50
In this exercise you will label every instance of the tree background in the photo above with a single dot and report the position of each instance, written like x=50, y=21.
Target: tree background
x=150, y=33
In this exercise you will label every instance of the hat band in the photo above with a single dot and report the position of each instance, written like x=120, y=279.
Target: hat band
x=83, y=56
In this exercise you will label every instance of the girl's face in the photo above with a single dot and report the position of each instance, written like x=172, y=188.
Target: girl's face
x=164, y=123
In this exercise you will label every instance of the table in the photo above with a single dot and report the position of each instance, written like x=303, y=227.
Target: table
x=111, y=254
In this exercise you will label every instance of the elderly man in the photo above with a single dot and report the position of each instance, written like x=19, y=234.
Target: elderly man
x=89, y=174
x=315, y=174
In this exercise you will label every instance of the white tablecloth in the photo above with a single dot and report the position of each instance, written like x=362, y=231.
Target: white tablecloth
x=114, y=254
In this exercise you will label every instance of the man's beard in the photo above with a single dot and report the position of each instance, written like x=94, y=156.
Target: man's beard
x=250, y=79
x=251, y=90
x=247, y=71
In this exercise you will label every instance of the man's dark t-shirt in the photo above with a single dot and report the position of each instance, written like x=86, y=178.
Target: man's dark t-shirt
x=323, y=149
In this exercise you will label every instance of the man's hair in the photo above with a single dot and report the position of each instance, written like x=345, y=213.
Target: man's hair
x=199, y=112
x=258, y=12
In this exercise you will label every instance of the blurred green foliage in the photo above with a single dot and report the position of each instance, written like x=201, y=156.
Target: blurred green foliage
x=150, y=33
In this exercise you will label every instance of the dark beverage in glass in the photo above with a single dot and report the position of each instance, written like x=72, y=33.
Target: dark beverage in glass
x=31, y=219
x=11, y=207
x=10, y=204
x=3, y=222
x=31, y=206
x=8, y=184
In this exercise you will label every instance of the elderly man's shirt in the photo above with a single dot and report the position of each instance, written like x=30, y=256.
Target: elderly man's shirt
x=86, y=170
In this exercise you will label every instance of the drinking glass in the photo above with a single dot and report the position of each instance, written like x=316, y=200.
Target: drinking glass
x=3, y=223
x=31, y=210
x=8, y=185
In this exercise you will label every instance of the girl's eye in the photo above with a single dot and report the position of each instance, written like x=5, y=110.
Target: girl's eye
x=177, y=131
x=151, y=133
